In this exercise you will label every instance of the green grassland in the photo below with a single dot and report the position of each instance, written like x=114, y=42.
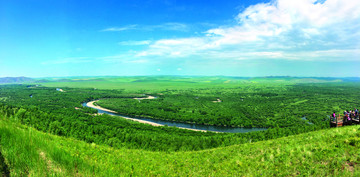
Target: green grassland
x=156, y=83
x=46, y=132
x=330, y=152
x=141, y=83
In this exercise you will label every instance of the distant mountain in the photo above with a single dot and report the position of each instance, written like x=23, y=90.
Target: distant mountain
x=9, y=80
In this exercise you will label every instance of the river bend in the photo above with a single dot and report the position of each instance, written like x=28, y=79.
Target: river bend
x=158, y=122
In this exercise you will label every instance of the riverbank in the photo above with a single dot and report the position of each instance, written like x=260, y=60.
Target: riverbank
x=147, y=98
x=92, y=105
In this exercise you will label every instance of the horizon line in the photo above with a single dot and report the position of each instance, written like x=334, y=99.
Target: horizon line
x=269, y=76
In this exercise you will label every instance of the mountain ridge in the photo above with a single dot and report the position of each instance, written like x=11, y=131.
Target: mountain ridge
x=21, y=79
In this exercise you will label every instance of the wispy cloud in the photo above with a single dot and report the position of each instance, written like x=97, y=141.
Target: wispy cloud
x=172, y=26
x=145, y=42
x=123, y=58
x=169, y=27
x=281, y=29
x=123, y=28
x=68, y=60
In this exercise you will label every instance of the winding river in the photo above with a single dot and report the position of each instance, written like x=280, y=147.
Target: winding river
x=157, y=122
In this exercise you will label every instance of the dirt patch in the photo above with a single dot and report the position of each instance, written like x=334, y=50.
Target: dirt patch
x=147, y=98
x=217, y=101
x=49, y=164
x=350, y=166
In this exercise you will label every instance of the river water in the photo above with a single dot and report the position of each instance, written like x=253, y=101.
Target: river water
x=188, y=125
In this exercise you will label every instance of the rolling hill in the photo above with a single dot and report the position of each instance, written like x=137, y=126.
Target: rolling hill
x=330, y=152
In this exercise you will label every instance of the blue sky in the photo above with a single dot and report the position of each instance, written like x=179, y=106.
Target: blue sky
x=43, y=38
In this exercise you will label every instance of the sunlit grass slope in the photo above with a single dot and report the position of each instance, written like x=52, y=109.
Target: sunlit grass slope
x=28, y=152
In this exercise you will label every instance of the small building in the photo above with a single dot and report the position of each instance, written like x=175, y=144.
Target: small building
x=59, y=89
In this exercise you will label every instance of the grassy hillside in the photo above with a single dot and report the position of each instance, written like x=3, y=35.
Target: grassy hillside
x=28, y=152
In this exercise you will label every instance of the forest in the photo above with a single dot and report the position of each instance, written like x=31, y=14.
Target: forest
x=249, y=105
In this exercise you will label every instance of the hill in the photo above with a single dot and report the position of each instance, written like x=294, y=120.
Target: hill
x=330, y=152
x=9, y=80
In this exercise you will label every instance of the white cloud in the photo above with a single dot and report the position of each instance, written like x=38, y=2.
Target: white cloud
x=281, y=17
x=281, y=29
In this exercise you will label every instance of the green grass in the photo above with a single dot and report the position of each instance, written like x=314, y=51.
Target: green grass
x=330, y=152
x=28, y=152
x=128, y=85
x=160, y=83
x=299, y=102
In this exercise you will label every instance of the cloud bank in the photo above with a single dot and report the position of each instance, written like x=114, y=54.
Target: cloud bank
x=280, y=29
